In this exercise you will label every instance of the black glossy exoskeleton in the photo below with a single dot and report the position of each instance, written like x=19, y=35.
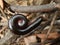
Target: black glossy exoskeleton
x=19, y=24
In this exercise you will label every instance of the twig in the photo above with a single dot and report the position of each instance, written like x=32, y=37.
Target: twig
x=3, y=12
x=33, y=9
x=3, y=29
x=51, y=26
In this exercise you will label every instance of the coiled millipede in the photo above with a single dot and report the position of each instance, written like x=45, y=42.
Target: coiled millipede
x=19, y=24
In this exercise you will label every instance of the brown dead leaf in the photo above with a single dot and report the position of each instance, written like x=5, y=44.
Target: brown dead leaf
x=30, y=39
x=51, y=35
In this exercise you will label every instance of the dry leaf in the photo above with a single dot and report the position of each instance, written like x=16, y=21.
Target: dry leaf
x=51, y=35
x=30, y=39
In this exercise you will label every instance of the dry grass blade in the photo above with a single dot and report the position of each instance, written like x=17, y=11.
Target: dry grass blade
x=3, y=12
x=51, y=26
x=2, y=4
x=3, y=29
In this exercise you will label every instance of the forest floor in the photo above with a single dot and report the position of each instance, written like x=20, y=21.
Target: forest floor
x=47, y=33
